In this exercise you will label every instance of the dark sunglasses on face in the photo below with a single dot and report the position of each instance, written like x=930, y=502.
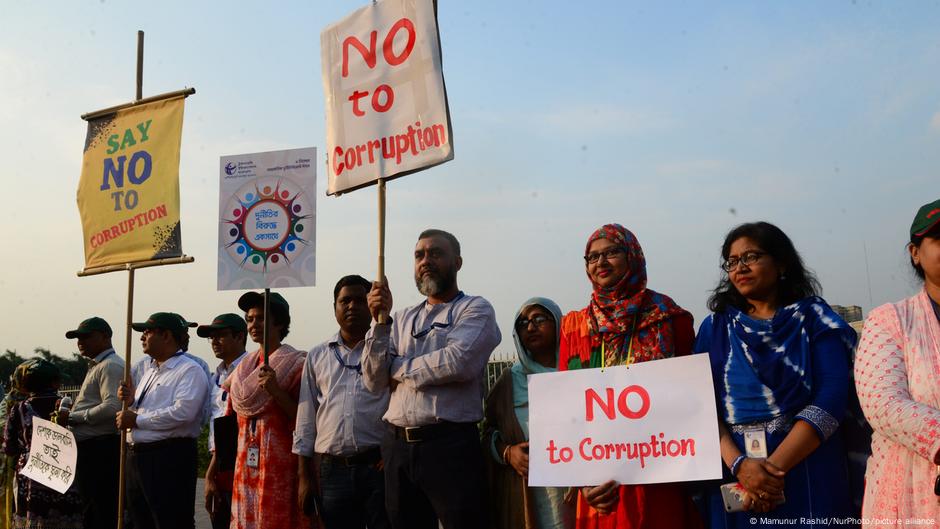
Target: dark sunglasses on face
x=936, y=483
x=538, y=320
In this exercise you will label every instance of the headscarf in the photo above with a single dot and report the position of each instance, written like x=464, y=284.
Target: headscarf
x=39, y=375
x=527, y=365
x=628, y=312
x=248, y=398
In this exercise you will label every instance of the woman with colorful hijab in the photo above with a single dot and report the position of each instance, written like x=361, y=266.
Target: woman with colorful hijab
x=780, y=361
x=263, y=393
x=36, y=504
x=515, y=505
x=896, y=369
x=625, y=322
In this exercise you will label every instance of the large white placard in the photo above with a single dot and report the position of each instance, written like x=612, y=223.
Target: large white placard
x=386, y=106
x=52, y=456
x=652, y=422
x=267, y=220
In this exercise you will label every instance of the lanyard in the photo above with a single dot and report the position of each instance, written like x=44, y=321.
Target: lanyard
x=354, y=367
x=151, y=380
x=435, y=324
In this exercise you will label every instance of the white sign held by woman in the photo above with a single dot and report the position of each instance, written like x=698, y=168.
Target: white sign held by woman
x=652, y=422
x=386, y=106
x=52, y=456
x=267, y=219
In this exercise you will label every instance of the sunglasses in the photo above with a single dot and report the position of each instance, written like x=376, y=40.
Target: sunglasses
x=936, y=483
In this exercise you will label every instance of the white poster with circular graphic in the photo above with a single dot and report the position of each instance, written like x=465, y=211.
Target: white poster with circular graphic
x=267, y=220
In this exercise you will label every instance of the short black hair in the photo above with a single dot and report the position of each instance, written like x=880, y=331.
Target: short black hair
x=350, y=281
x=932, y=233
x=434, y=232
x=798, y=282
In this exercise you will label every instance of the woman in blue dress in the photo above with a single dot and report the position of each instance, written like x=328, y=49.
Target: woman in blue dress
x=780, y=362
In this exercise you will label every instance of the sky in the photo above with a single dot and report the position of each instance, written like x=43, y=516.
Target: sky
x=677, y=120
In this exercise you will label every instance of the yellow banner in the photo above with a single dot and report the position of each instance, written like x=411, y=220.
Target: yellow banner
x=128, y=194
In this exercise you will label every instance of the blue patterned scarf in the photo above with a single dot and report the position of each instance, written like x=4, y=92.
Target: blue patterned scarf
x=770, y=362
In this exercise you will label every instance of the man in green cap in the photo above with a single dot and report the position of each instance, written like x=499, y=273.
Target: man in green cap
x=165, y=408
x=227, y=335
x=92, y=421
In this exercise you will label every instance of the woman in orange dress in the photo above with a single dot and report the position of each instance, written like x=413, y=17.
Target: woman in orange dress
x=626, y=322
x=264, y=397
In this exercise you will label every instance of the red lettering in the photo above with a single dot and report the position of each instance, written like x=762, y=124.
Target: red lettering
x=389, y=98
x=355, y=97
x=607, y=408
x=584, y=455
x=368, y=55
x=390, y=56
x=551, y=452
x=565, y=454
x=337, y=165
x=622, y=402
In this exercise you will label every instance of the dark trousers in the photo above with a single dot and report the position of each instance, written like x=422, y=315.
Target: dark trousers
x=435, y=479
x=97, y=468
x=352, y=496
x=161, y=484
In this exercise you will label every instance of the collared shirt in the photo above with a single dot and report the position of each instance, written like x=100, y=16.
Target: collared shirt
x=440, y=373
x=93, y=412
x=219, y=395
x=137, y=373
x=169, y=400
x=336, y=415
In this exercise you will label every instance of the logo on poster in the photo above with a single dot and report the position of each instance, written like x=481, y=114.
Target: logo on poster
x=267, y=225
x=230, y=168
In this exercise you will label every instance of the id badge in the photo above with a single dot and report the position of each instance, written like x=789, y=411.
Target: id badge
x=254, y=456
x=755, y=443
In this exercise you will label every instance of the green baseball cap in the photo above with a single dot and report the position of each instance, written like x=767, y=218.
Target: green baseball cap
x=186, y=323
x=927, y=217
x=89, y=326
x=162, y=320
x=223, y=321
x=256, y=299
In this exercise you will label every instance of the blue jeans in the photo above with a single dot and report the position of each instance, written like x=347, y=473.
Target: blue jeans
x=352, y=497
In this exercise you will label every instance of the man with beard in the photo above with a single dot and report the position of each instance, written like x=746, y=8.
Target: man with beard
x=92, y=421
x=432, y=357
x=340, y=421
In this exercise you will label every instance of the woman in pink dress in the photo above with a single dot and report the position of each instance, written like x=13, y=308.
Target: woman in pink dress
x=897, y=373
x=265, y=399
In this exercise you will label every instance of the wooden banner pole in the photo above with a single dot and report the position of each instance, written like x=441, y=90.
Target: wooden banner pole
x=130, y=314
x=383, y=317
x=264, y=332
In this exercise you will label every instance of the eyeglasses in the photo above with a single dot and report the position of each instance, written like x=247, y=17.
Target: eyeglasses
x=538, y=320
x=609, y=254
x=747, y=259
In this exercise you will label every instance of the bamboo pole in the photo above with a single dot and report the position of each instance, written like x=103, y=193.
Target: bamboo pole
x=264, y=331
x=383, y=317
x=138, y=265
x=130, y=314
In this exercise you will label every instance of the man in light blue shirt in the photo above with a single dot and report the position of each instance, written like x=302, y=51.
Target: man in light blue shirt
x=432, y=357
x=341, y=422
x=227, y=335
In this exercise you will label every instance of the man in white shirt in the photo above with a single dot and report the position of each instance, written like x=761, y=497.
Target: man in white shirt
x=91, y=419
x=227, y=335
x=164, y=415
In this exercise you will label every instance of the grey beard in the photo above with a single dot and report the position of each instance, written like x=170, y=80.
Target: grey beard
x=432, y=286
x=429, y=286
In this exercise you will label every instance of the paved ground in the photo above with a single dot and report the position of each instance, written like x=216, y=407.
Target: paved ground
x=202, y=517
